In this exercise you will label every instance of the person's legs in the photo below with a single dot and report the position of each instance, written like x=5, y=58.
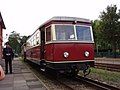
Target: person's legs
x=6, y=66
x=10, y=65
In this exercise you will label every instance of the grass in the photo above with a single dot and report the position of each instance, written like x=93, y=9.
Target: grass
x=109, y=77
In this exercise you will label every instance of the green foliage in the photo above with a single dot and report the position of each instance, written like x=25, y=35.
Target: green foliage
x=98, y=35
x=97, y=31
x=23, y=40
x=16, y=41
x=13, y=40
x=110, y=25
x=107, y=29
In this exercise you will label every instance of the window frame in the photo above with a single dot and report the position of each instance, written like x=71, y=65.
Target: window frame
x=91, y=33
x=31, y=42
x=54, y=31
x=38, y=35
x=51, y=33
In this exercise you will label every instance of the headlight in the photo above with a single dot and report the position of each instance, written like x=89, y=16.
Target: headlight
x=87, y=53
x=66, y=54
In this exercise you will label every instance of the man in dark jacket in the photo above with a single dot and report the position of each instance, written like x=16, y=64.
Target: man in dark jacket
x=8, y=56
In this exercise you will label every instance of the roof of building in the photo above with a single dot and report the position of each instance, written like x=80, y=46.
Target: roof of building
x=2, y=22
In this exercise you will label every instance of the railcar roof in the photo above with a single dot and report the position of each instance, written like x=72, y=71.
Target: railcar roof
x=70, y=19
x=64, y=18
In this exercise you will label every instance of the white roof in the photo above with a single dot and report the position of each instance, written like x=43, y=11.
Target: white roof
x=64, y=18
x=70, y=19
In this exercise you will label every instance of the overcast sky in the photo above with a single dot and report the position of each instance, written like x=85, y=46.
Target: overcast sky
x=25, y=16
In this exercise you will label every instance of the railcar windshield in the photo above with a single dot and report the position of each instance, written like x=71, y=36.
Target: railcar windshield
x=83, y=33
x=64, y=32
x=72, y=32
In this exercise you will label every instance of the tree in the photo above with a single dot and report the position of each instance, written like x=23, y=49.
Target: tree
x=23, y=40
x=110, y=26
x=16, y=41
x=96, y=25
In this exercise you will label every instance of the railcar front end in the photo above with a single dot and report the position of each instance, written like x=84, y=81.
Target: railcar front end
x=64, y=44
x=72, y=48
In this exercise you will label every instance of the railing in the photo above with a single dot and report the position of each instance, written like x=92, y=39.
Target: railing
x=107, y=54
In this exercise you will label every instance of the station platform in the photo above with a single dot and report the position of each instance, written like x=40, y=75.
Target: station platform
x=22, y=78
x=108, y=60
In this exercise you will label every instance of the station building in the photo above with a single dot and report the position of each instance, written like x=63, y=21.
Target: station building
x=2, y=26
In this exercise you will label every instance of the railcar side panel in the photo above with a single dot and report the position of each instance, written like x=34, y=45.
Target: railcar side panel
x=33, y=53
x=49, y=52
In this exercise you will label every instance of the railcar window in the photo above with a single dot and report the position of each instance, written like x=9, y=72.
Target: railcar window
x=34, y=40
x=64, y=32
x=48, y=33
x=38, y=38
x=83, y=33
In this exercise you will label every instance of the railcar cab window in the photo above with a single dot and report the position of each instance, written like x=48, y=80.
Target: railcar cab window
x=64, y=32
x=73, y=32
x=83, y=33
x=48, y=34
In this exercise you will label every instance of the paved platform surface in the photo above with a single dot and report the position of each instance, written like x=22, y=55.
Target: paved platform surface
x=21, y=79
x=108, y=60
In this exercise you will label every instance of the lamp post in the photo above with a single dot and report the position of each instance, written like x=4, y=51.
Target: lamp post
x=115, y=46
x=97, y=48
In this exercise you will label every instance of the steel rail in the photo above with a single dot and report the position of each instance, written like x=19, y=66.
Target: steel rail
x=90, y=82
x=34, y=68
x=98, y=84
x=67, y=86
x=111, y=67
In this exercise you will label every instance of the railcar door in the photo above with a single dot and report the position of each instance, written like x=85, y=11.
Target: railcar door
x=42, y=50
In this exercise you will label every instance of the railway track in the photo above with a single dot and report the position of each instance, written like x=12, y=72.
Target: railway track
x=64, y=84
x=82, y=83
x=111, y=67
x=99, y=85
x=51, y=83
x=77, y=83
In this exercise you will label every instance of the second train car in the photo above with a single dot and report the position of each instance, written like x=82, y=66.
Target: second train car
x=63, y=44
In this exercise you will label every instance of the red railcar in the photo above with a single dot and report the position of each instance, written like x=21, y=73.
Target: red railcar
x=64, y=44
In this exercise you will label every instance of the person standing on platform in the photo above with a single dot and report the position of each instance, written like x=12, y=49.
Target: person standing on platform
x=8, y=55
